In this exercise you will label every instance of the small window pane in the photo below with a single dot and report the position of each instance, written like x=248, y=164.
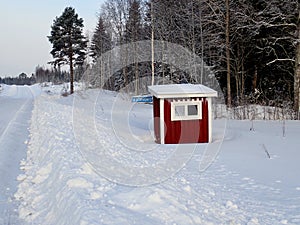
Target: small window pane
x=179, y=110
x=192, y=110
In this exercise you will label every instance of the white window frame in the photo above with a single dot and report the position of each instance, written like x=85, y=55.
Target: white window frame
x=174, y=117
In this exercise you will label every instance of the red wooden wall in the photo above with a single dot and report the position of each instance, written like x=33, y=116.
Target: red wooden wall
x=156, y=114
x=186, y=131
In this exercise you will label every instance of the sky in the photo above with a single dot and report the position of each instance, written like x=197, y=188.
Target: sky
x=25, y=25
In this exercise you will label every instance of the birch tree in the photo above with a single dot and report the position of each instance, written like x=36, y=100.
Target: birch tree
x=297, y=68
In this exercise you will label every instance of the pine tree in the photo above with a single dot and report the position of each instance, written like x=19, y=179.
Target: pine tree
x=101, y=40
x=68, y=43
x=133, y=33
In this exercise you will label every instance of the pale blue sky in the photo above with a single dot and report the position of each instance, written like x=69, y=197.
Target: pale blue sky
x=25, y=25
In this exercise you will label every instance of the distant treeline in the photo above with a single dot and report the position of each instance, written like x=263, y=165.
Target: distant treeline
x=22, y=79
x=55, y=75
x=40, y=75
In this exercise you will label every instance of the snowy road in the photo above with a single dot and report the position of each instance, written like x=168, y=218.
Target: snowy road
x=16, y=104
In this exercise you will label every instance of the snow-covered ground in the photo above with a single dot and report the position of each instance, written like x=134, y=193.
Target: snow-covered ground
x=91, y=159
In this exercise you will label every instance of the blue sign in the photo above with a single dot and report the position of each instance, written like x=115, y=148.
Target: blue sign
x=145, y=98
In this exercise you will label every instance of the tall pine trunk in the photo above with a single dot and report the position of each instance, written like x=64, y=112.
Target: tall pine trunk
x=297, y=71
x=71, y=74
x=71, y=63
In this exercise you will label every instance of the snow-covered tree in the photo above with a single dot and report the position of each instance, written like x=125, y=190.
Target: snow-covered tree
x=68, y=42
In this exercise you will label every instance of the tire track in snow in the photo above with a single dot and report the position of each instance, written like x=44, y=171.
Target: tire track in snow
x=17, y=113
x=10, y=123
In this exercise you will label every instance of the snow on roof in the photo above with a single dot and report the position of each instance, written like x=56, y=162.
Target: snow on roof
x=181, y=90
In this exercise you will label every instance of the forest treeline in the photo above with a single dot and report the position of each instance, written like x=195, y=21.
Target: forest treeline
x=252, y=47
x=22, y=79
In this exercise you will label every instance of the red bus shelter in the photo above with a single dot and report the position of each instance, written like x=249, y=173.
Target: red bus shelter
x=182, y=113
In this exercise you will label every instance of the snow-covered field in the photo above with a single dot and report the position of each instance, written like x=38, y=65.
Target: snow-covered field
x=91, y=159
